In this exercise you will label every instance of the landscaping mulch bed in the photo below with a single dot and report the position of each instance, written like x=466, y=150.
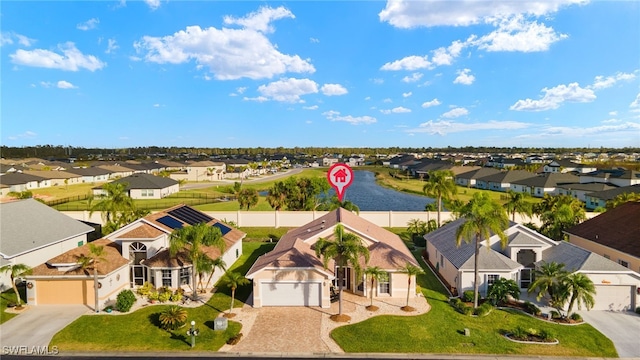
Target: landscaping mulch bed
x=340, y=318
x=520, y=307
x=372, y=308
x=532, y=339
x=408, y=308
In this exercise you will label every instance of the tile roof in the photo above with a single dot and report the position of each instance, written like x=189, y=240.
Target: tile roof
x=295, y=248
x=112, y=261
x=618, y=228
x=29, y=224
x=576, y=258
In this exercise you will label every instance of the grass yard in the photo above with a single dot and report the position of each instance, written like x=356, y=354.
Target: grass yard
x=441, y=331
x=139, y=331
x=8, y=297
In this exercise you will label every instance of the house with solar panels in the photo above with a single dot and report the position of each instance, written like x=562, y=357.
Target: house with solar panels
x=145, y=243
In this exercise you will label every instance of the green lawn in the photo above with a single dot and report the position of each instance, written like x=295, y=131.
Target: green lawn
x=8, y=297
x=139, y=331
x=441, y=331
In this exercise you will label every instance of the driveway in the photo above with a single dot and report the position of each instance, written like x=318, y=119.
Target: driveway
x=285, y=330
x=37, y=324
x=621, y=327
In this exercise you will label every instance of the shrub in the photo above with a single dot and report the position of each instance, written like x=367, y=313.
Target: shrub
x=638, y=310
x=532, y=308
x=520, y=333
x=484, y=309
x=419, y=241
x=164, y=296
x=235, y=339
x=153, y=296
x=467, y=310
x=145, y=289
x=455, y=302
x=125, y=300
x=546, y=335
x=575, y=317
x=173, y=317
x=176, y=297
x=554, y=314
x=467, y=296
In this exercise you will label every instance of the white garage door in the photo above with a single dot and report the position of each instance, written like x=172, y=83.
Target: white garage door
x=614, y=297
x=290, y=294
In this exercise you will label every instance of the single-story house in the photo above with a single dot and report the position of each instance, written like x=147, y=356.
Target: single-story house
x=469, y=179
x=502, y=181
x=292, y=275
x=565, y=166
x=598, y=199
x=91, y=174
x=32, y=233
x=540, y=185
x=614, y=234
x=62, y=281
x=526, y=250
x=145, y=186
x=579, y=191
x=145, y=243
x=57, y=177
x=19, y=182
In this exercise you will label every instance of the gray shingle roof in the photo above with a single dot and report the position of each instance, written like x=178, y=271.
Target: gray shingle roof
x=29, y=224
x=490, y=260
x=15, y=178
x=146, y=181
x=547, y=180
x=576, y=258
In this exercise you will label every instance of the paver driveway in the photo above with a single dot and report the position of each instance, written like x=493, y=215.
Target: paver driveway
x=285, y=329
x=37, y=324
x=622, y=327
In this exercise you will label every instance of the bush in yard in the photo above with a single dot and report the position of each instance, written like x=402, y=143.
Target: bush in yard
x=546, y=335
x=467, y=296
x=575, y=317
x=520, y=333
x=501, y=290
x=532, y=308
x=484, y=309
x=176, y=297
x=146, y=289
x=173, y=317
x=164, y=296
x=554, y=314
x=125, y=300
x=235, y=339
x=467, y=310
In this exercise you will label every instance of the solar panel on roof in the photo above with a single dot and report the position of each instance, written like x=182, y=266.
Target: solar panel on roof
x=223, y=228
x=190, y=216
x=170, y=222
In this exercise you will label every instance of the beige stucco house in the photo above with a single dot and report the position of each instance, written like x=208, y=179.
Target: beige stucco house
x=292, y=275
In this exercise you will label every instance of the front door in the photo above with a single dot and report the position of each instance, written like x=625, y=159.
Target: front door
x=344, y=276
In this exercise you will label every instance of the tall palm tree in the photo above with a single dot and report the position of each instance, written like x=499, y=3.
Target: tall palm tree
x=191, y=239
x=115, y=201
x=248, y=198
x=90, y=261
x=411, y=271
x=277, y=195
x=558, y=213
x=334, y=203
x=15, y=271
x=214, y=264
x=440, y=184
x=346, y=249
x=547, y=279
x=375, y=273
x=621, y=199
x=483, y=216
x=581, y=289
x=234, y=280
x=517, y=203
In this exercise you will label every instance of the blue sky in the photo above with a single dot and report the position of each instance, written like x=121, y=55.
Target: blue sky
x=555, y=73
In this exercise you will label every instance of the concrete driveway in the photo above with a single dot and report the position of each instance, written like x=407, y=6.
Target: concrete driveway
x=37, y=324
x=621, y=327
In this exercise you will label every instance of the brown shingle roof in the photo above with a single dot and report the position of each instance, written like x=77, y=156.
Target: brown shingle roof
x=618, y=228
x=144, y=231
x=112, y=261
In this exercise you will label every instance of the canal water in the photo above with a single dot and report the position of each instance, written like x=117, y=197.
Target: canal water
x=370, y=196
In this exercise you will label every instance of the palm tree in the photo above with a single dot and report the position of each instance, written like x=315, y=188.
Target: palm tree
x=411, y=271
x=234, y=280
x=277, y=195
x=15, y=271
x=91, y=261
x=248, y=198
x=374, y=273
x=173, y=317
x=440, y=184
x=335, y=203
x=581, y=289
x=621, y=199
x=192, y=239
x=547, y=279
x=345, y=249
x=558, y=213
x=114, y=202
x=517, y=203
x=213, y=264
x=483, y=216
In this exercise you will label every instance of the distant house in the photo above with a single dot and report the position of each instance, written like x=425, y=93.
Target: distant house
x=579, y=191
x=614, y=234
x=145, y=186
x=328, y=161
x=539, y=185
x=57, y=177
x=618, y=177
x=19, y=182
x=469, y=179
x=598, y=199
x=32, y=233
x=565, y=166
x=91, y=174
x=201, y=171
x=502, y=181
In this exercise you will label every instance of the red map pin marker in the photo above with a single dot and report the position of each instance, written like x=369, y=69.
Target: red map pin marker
x=340, y=176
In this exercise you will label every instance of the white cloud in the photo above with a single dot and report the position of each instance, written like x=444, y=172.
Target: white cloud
x=25, y=135
x=88, y=25
x=554, y=97
x=354, y=120
x=314, y=40
x=387, y=100
x=258, y=98
x=288, y=90
x=434, y=102
x=610, y=121
x=153, y=4
x=464, y=77
x=445, y=56
x=66, y=85
x=367, y=98
x=239, y=91
x=635, y=103
x=333, y=89
x=70, y=60
x=45, y=84
x=260, y=20
x=413, y=78
x=613, y=113
x=8, y=38
x=408, y=13
x=602, y=82
x=396, y=110
x=455, y=112
x=228, y=53
x=409, y=63
x=377, y=81
x=407, y=94
x=624, y=128
x=112, y=46
x=443, y=127
x=312, y=107
x=518, y=34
